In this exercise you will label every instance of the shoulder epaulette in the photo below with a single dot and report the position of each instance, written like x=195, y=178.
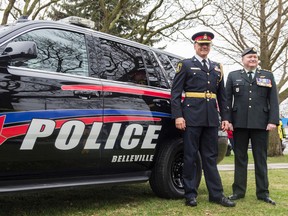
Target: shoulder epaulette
x=266, y=70
x=219, y=68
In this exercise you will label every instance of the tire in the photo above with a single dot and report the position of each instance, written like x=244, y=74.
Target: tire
x=166, y=179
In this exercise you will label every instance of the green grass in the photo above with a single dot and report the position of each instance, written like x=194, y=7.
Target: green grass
x=279, y=159
x=138, y=199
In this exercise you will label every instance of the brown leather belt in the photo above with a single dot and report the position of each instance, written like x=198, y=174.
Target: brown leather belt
x=200, y=95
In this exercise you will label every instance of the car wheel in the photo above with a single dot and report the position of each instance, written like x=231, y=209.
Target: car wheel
x=166, y=179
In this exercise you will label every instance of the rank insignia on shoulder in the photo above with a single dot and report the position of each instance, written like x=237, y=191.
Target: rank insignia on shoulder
x=264, y=82
x=217, y=68
x=179, y=66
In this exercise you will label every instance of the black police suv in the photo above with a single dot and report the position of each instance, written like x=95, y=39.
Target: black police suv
x=79, y=107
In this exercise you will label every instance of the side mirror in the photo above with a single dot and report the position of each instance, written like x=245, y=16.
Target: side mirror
x=19, y=51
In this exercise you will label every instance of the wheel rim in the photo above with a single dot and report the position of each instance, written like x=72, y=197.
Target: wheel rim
x=177, y=169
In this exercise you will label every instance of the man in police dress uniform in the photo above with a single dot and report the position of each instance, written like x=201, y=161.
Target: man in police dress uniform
x=201, y=80
x=252, y=94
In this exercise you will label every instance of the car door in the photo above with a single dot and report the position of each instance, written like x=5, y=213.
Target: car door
x=51, y=108
x=132, y=128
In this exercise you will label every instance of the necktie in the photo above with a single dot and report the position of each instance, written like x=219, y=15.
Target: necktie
x=250, y=75
x=204, y=65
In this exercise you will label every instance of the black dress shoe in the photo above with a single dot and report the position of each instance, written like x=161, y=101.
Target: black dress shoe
x=267, y=200
x=235, y=197
x=224, y=201
x=191, y=202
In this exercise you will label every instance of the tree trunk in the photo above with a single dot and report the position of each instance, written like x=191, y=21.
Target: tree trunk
x=274, y=145
x=7, y=11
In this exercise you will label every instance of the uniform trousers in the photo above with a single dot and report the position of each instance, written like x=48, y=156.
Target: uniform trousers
x=259, y=142
x=204, y=140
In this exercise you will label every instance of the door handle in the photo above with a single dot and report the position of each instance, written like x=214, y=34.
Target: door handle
x=161, y=102
x=86, y=95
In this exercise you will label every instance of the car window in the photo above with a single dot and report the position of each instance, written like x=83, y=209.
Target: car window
x=58, y=51
x=122, y=63
x=174, y=61
x=169, y=64
x=155, y=74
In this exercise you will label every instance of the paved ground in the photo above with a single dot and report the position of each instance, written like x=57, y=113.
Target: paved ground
x=251, y=166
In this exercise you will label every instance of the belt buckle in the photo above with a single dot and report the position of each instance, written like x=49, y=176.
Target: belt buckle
x=208, y=95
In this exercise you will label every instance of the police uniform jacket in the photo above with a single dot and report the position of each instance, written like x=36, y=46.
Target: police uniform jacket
x=254, y=104
x=192, y=77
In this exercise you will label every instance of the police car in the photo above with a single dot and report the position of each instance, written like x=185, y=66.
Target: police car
x=79, y=107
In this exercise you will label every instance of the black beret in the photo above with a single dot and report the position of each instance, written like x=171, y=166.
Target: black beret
x=250, y=50
x=203, y=37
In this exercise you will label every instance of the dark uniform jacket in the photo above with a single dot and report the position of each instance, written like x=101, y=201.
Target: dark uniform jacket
x=254, y=104
x=192, y=77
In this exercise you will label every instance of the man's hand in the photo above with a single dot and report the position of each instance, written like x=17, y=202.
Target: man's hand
x=225, y=125
x=270, y=127
x=180, y=123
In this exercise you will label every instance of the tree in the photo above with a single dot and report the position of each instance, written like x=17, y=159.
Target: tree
x=31, y=9
x=261, y=24
x=144, y=21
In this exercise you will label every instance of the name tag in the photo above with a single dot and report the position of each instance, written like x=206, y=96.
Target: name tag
x=264, y=82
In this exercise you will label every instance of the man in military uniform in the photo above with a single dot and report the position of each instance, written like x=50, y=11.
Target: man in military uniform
x=201, y=80
x=252, y=94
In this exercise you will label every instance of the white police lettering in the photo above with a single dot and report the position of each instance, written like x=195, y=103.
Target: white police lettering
x=150, y=136
x=71, y=133
x=132, y=158
x=127, y=141
x=113, y=136
x=93, y=136
x=40, y=128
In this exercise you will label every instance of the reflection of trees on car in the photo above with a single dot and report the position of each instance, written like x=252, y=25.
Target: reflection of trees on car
x=66, y=53
x=121, y=61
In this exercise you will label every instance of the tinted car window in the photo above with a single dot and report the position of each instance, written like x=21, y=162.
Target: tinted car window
x=169, y=65
x=58, y=51
x=123, y=63
x=156, y=77
x=174, y=61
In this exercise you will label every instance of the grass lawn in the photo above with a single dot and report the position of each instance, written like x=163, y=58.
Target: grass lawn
x=138, y=199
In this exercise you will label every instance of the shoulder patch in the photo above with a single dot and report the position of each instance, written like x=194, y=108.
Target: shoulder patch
x=179, y=66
